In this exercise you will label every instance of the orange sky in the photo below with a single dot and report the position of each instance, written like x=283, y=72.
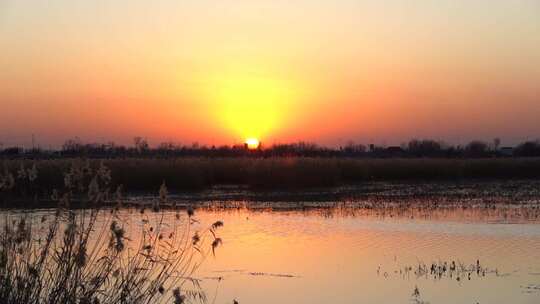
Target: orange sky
x=218, y=72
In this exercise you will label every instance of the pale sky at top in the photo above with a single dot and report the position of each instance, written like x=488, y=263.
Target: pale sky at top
x=219, y=71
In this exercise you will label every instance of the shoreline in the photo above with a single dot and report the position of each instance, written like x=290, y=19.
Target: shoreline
x=441, y=193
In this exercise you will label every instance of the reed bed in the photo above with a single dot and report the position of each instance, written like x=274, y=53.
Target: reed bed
x=145, y=175
x=68, y=256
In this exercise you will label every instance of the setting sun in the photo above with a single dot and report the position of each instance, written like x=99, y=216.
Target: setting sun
x=251, y=100
x=252, y=143
x=250, y=106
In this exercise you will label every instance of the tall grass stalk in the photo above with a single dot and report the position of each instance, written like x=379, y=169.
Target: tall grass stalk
x=146, y=175
x=90, y=255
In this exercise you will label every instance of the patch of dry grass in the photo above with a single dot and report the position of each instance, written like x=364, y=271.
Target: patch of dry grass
x=71, y=257
x=267, y=173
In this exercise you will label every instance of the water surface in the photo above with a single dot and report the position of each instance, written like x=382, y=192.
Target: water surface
x=330, y=257
x=362, y=254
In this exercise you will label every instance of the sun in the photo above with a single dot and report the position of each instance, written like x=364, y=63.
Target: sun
x=250, y=104
x=252, y=143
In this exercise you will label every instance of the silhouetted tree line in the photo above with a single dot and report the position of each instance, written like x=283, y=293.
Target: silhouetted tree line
x=413, y=149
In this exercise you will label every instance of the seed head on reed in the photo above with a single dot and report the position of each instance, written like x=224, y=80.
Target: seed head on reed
x=117, y=237
x=4, y=182
x=68, y=180
x=190, y=211
x=163, y=192
x=215, y=244
x=7, y=181
x=10, y=181
x=64, y=201
x=22, y=233
x=416, y=292
x=118, y=195
x=93, y=189
x=217, y=224
x=81, y=257
x=55, y=195
x=32, y=173
x=87, y=168
x=104, y=173
x=21, y=173
x=195, y=239
x=178, y=297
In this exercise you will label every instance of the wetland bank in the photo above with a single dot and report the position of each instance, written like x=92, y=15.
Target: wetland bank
x=377, y=241
x=340, y=254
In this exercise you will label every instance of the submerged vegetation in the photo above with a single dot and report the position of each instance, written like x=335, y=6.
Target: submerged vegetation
x=453, y=270
x=96, y=255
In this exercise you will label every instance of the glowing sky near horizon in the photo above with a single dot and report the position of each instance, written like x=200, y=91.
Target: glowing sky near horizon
x=218, y=72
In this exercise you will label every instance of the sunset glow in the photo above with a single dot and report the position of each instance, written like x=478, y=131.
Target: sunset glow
x=217, y=73
x=250, y=106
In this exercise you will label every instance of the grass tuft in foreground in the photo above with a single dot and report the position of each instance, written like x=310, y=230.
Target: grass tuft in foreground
x=92, y=255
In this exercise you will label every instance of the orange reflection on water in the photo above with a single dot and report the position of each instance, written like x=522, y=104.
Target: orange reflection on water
x=348, y=255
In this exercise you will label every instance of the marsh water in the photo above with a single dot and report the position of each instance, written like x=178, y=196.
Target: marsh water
x=345, y=254
x=334, y=257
